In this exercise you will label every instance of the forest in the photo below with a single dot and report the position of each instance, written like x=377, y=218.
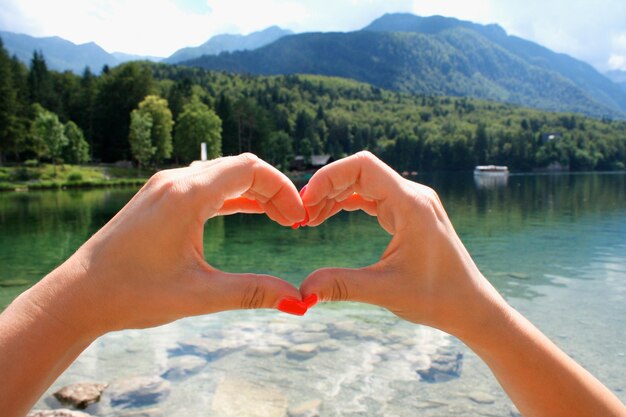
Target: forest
x=156, y=115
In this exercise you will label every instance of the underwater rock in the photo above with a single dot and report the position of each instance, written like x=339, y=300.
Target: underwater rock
x=481, y=397
x=80, y=395
x=444, y=366
x=309, y=408
x=57, y=413
x=236, y=397
x=303, y=351
x=315, y=327
x=330, y=345
x=308, y=337
x=209, y=349
x=263, y=351
x=183, y=366
x=137, y=392
x=343, y=329
x=150, y=412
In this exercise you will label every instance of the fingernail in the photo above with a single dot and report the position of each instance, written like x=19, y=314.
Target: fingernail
x=292, y=306
x=306, y=218
x=295, y=225
x=311, y=300
x=306, y=212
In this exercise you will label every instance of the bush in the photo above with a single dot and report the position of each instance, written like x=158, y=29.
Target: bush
x=75, y=176
x=31, y=163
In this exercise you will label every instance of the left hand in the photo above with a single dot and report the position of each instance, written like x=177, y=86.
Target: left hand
x=146, y=267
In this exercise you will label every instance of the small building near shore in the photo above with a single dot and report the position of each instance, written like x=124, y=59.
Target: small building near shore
x=300, y=163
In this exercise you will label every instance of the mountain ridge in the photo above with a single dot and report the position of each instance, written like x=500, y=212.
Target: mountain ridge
x=453, y=57
x=229, y=43
x=63, y=55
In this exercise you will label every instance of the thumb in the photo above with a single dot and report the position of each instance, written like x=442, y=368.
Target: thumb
x=365, y=285
x=231, y=291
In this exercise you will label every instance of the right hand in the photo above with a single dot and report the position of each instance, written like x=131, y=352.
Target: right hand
x=425, y=275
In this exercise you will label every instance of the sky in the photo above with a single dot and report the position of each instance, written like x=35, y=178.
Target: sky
x=591, y=30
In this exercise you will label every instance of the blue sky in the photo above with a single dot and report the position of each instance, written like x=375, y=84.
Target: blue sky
x=592, y=30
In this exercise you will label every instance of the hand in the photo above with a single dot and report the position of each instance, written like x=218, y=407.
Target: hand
x=425, y=275
x=146, y=266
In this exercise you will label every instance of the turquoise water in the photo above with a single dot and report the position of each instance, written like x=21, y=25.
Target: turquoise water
x=554, y=245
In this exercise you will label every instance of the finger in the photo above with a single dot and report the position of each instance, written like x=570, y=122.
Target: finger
x=240, y=205
x=232, y=177
x=353, y=203
x=363, y=172
x=230, y=291
x=366, y=176
x=364, y=285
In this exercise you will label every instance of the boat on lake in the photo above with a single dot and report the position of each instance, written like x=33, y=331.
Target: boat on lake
x=491, y=176
x=491, y=170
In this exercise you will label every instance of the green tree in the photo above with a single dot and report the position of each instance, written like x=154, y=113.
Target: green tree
x=481, y=144
x=196, y=124
x=77, y=149
x=162, y=124
x=48, y=135
x=280, y=150
x=120, y=90
x=40, y=83
x=8, y=100
x=139, y=138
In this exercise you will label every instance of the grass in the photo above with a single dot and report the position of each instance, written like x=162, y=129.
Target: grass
x=31, y=176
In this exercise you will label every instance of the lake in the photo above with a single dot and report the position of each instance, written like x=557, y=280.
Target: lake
x=554, y=245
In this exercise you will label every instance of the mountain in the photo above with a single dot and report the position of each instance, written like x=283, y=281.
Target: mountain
x=63, y=55
x=229, y=43
x=618, y=77
x=122, y=57
x=60, y=54
x=437, y=55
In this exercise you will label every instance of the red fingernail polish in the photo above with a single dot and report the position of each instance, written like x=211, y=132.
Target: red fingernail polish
x=292, y=306
x=295, y=225
x=306, y=218
x=311, y=300
x=303, y=190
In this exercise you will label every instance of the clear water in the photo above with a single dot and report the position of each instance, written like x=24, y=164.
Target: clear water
x=555, y=246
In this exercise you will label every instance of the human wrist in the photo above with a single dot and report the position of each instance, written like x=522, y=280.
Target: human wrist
x=65, y=299
x=491, y=320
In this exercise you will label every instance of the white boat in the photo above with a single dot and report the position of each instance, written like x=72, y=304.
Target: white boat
x=491, y=170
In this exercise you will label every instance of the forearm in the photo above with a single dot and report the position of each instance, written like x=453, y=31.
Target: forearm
x=539, y=377
x=40, y=336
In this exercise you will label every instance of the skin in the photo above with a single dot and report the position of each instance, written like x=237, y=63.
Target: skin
x=146, y=267
x=427, y=276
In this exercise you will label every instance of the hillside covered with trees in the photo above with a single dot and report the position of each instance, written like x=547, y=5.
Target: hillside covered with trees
x=437, y=55
x=157, y=114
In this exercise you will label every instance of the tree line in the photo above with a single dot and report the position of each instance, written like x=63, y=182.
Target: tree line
x=158, y=114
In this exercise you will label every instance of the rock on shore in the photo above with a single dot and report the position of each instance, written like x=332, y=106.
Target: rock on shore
x=80, y=395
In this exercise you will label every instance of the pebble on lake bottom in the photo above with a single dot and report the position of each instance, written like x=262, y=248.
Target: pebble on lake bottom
x=236, y=397
x=57, y=413
x=481, y=397
x=309, y=408
x=303, y=351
